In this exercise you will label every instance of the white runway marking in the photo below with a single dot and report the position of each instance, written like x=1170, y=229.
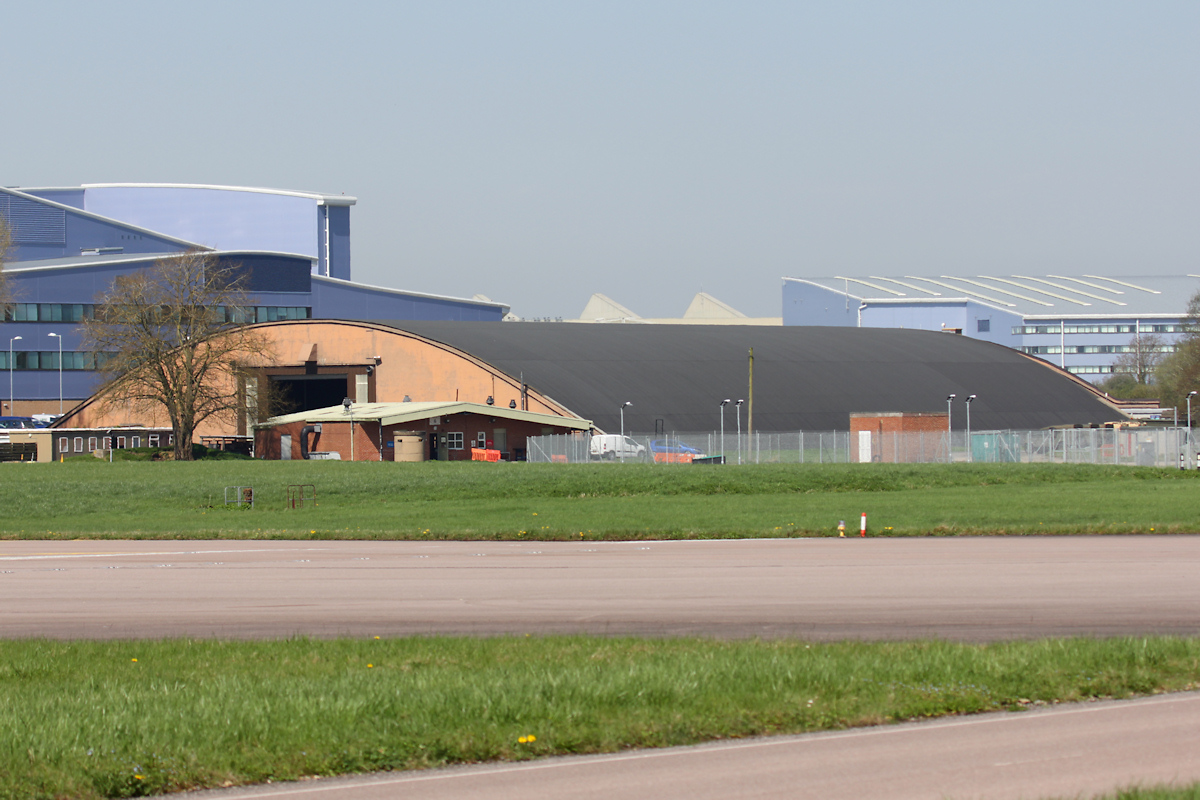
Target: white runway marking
x=46, y=556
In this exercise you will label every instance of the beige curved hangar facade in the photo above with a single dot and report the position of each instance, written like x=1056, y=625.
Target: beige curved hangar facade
x=317, y=363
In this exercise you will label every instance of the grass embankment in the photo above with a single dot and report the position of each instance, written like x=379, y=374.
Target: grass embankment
x=1190, y=792
x=113, y=719
x=612, y=501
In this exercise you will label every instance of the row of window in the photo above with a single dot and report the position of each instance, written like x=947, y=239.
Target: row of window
x=455, y=441
x=1023, y=330
x=77, y=312
x=68, y=444
x=1091, y=369
x=1088, y=349
x=48, y=359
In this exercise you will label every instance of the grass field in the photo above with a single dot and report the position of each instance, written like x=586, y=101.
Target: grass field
x=613, y=501
x=117, y=719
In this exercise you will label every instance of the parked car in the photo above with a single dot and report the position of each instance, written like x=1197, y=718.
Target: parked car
x=18, y=422
x=674, y=446
x=609, y=446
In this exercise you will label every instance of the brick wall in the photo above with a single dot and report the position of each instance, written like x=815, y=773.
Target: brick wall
x=897, y=437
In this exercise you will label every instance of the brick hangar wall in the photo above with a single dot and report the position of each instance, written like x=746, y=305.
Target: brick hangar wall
x=897, y=437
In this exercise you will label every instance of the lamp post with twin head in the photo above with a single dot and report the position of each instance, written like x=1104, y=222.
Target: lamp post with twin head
x=950, y=427
x=970, y=455
x=724, y=403
x=623, y=405
x=738, y=408
x=60, y=391
x=11, y=398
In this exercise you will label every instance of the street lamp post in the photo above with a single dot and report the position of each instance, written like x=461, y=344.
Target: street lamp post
x=60, y=391
x=724, y=403
x=347, y=406
x=1189, y=402
x=949, y=429
x=623, y=405
x=739, y=423
x=970, y=455
x=11, y=396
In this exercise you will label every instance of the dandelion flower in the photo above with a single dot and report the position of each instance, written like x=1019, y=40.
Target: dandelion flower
x=133, y=659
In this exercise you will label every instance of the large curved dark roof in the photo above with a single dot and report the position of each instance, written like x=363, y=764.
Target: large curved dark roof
x=805, y=378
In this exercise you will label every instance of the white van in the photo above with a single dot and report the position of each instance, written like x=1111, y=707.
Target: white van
x=610, y=446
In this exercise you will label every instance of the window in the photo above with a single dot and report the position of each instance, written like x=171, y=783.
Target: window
x=107, y=443
x=481, y=439
x=91, y=443
x=154, y=440
x=120, y=442
x=454, y=441
x=135, y=441
x=78, y=444
x=62, y=445
x=983, y=325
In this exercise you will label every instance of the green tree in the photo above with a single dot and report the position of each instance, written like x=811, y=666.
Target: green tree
x=1179, y=372
x=169, y=338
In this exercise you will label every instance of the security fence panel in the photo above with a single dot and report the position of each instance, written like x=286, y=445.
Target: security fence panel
x=1143, y=447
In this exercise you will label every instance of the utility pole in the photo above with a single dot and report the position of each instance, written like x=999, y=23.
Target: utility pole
x=750, y=404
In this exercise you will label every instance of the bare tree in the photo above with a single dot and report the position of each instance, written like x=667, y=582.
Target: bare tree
x=173, y=337
x=1146, y=352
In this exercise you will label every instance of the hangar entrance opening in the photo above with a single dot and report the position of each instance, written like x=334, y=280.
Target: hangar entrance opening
x=307, y=392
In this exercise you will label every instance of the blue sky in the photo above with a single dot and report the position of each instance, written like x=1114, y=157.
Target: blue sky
x=539, y=152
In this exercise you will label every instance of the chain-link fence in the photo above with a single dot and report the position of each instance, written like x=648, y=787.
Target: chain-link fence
x=1144, y=447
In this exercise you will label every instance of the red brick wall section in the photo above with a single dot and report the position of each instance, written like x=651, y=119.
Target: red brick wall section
x=335, y=436
x=923, y=436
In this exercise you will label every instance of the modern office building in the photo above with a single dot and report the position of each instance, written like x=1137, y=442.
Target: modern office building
x=71, y=243
x=1082, y=323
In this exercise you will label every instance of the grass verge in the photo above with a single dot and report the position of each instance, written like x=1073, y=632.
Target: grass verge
x=610, y=501
x=123, y=719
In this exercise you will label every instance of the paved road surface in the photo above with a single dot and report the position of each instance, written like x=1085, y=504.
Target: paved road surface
x=1065, y=751
x=972, y=589
x=968, y=588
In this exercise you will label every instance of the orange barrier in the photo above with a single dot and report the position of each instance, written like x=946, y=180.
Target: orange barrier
x=672, y=458
x=480, y=454
x=558, y=459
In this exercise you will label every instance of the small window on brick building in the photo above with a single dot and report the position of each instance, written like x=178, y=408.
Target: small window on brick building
x=983, y=325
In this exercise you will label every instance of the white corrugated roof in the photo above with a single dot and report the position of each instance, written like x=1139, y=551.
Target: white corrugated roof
x=396, y=413
x=1049, y=296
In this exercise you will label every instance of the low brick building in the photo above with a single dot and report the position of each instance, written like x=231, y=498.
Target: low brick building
x=898, y=437
x=419, y=431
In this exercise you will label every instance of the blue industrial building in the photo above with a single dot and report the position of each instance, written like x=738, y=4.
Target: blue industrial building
x=1082, y=323
x=71, y=243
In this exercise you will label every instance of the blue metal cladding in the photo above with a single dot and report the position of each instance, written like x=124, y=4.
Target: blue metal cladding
x=806, y=304
x=339, y=241
x=43, y=231
x=273, y=273
x=349, y=301
x=225, y=219
x=68, y=197
x=67, y=284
